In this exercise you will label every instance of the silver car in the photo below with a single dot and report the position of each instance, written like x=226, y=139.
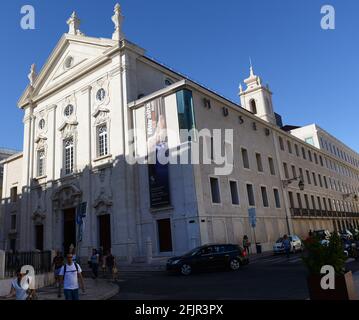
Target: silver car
x=295, y=242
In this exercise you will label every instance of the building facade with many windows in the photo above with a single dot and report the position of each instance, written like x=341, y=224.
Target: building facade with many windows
x=97, y=112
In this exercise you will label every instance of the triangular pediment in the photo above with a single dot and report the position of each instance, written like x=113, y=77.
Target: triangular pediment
x=71, y=55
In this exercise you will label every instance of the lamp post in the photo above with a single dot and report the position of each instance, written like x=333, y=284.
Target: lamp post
x=289, y=181
x=348, y=195
x=301, y=188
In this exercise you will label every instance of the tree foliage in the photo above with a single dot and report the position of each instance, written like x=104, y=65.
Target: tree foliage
x=318, y=255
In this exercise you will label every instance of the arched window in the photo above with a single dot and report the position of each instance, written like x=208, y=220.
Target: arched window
x=253, y=106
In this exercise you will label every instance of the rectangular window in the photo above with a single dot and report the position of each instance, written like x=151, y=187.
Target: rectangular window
x=264, y=197
x=299, y=200
x=259, y=162
x=313, y=202
x=320, y=181
x=40, y=163
x=276, y=198
x=13, y=194
x=289, y=146
x=306, y=201
x=308, y=176
x=281, y=144
x=271, y=166
x=185, y=109
x=310, y=156
x=314, y=179
x=216, y=198
x=296, y=150
x=234, y=192
x=301, y=173
x=325, y=204
x=245, y=158
x=309, y=140
x=212, y=149
x=69, y=156
x=250, y=194
x=303, y=153
x=291, y=200
x=321, y=161
x=13, y=222
x=315, y=158
x=319, y=203
x=285, y=168
x=102, y=141
x=294, y=172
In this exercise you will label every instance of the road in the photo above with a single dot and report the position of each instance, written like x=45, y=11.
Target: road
x=266, y=277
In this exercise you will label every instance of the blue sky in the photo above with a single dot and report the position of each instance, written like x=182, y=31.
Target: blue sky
x=312, y=72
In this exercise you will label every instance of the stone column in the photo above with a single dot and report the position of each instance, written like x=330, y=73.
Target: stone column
x=2, y=264
x=149, y=250
x=26, y=169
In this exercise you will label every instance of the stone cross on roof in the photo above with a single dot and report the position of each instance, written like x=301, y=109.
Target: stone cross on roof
x=32, y=75
x=74, y=25
x=117, y=19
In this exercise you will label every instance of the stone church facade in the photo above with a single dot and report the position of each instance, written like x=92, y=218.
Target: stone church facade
x=73, y=183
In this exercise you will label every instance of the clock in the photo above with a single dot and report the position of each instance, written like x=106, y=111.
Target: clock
x=101, y=94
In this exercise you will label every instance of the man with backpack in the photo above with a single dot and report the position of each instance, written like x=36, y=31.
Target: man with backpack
x=71, y=275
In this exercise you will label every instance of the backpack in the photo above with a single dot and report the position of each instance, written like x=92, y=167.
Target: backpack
x=76, y=266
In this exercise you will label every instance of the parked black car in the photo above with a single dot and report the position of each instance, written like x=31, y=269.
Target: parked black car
x=209, y=257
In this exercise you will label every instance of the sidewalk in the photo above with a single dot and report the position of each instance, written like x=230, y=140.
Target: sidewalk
x=98, y=289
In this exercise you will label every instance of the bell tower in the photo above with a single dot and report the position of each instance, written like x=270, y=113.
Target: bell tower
x=257, y=98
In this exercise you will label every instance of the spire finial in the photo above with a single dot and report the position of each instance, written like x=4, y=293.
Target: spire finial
x=251, y=67
x=117, y=19
x=32, y=75
x=74, y=24
x=240, y=88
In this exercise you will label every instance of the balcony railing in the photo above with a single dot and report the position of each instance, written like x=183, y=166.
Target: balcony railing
x=299, y=212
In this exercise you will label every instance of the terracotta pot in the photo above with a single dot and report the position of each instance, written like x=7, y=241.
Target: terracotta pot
x=344, y=288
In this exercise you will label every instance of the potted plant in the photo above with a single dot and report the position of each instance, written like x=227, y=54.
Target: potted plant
x=318, y=255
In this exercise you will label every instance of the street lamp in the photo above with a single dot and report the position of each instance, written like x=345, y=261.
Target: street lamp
x=348, y=195
x=301, y=187
x=289, y=181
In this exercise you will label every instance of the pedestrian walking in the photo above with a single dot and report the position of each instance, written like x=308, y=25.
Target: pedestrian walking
x=246, y=243
x=286, y=245
x=95, y=261
x=110, y=264
x=71, y=276
x=21, y=288
x=57, y=264
x=103, y=265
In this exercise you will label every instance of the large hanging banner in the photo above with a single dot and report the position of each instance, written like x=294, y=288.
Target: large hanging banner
x=157, y=145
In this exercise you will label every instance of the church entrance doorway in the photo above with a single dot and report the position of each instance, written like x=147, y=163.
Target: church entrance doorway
x=105, y=232
x=39, y=234
x=69, y=229
x=164, y=235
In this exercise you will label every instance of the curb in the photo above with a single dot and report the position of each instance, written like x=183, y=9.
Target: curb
x=111, y=293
